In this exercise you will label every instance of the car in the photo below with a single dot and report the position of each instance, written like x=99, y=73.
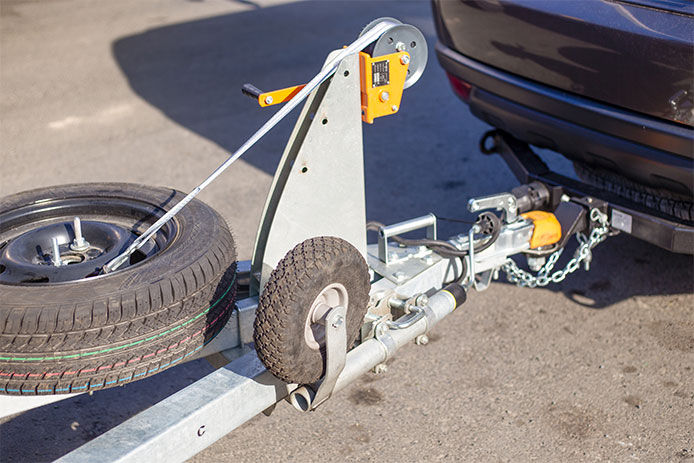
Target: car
x=609, y=84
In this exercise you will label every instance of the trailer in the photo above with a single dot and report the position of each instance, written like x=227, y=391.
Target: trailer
x=317, y=307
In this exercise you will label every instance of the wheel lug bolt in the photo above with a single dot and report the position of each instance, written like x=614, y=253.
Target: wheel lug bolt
x=56, y=253
x=79, y=243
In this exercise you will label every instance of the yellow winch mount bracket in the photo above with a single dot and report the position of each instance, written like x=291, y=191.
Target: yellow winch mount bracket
x=382, y=83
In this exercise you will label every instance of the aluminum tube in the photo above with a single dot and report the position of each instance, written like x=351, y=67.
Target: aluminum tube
x=302, y=398
x=441, y=305
x=360, y=360
x=409, y=225
x=374, y=351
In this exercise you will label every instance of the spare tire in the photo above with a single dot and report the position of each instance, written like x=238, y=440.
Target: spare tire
x=65, y=327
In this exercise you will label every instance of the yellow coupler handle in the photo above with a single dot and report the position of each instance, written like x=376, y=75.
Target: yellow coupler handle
x=547, y=228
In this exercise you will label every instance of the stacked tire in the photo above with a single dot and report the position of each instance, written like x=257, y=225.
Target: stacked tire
x=110, y=329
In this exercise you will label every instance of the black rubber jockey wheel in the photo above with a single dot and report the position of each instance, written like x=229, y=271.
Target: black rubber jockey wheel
x=315, y=276
x=66, y=327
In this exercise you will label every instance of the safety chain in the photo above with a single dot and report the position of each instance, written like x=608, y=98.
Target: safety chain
x=584, y=254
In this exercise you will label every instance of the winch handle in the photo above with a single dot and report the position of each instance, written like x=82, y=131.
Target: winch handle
x=251, y=90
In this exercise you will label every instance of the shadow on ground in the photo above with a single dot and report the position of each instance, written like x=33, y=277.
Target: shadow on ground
x=193, y=72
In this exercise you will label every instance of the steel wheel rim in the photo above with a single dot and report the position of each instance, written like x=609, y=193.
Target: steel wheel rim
x=109, y=225
x=331, y=296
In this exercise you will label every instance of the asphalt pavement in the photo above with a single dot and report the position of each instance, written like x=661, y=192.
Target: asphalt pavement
x=598, y=367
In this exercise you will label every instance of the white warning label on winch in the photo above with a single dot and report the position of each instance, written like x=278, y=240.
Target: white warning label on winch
x=380, y=73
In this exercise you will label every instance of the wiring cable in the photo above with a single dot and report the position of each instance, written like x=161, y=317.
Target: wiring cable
x=488, y=222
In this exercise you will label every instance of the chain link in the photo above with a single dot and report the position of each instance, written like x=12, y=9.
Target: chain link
x=584, y=254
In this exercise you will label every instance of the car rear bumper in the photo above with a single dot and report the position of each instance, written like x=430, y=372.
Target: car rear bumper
x=630, y=54
x=648, y=150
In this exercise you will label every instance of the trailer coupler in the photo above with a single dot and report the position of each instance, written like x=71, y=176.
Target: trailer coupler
x=535, y=222
x=418, y=282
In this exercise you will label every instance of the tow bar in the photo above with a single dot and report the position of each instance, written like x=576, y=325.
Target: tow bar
x=311, y=251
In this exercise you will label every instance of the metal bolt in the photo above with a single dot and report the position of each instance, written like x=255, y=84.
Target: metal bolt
x=565, y=198
x=473, y=206
x=394, y=107
x=338, y=322
x=79, y=243
x=268, y=99
x=380, y=368
x=381, y=329
x=399, y=276
x=400, y=46
x=405, y=59
x=421, y=340
x=384, y=96
x=586, y=263
x=421, y=300
x=56, y=253
x=536, y=263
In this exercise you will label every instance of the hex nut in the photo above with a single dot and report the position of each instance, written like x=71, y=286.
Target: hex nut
x=380, y=368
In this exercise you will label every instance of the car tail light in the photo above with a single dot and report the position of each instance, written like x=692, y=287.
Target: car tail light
x=460, y=87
